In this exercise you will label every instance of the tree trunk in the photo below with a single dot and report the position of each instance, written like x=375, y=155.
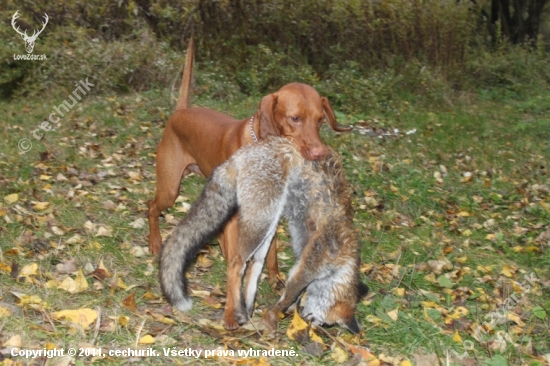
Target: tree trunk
x=519, y=19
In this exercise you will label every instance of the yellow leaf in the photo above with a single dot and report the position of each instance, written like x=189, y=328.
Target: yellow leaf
x=123, y=320
x=515, y=318
x=508, y=271
x=4, y=312
x=121, y=284
x=485, y=269
x=394, y=314
x=29, y=270
x=11, y=198
x=405, y=363
x=463, y=214
x=49, y=345
x=94, y=245
x=146, y=339
x=467, y=232
x=50, y=284
x=339, y=355
x=40, y=206
x=456, y=337
x=298, y=328
x=203, y=261
x=14, y=341
x=457, y=313
x=399, y=291
x=314, y=337
x=4, y=267
x=372, y=319
x=75, y=286
x=491, y=237
x=82, y=317
x=22, y=299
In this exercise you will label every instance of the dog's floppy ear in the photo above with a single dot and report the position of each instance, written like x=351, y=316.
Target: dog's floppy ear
x=266, y=116
x=331, y=119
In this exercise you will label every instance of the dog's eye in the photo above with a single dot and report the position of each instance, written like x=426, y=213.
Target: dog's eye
x=294, y=119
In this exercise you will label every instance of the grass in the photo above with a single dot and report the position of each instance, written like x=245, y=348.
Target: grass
x=450, y=217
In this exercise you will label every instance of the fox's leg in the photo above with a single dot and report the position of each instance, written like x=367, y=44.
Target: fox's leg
x=256, y=264
x=295, y=285
x=253, y=244
x=298, y=279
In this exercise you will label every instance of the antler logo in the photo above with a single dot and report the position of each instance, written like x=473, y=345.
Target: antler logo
x=29, y=40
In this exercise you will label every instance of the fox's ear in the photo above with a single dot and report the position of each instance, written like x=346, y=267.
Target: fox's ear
x=362, y=289
x=353, y=325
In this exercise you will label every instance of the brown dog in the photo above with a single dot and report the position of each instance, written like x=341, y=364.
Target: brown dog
x=199, y=139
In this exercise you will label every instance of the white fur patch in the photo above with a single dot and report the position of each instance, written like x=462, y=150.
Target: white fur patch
x=184, y=305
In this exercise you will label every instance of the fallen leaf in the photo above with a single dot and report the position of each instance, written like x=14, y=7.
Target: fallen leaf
x=130, y=303
x=146, y=339
x=82, y=317
x=104, y=231
x=298, y=329
x=22, y=299
x=79, y=284
x=29, y=270
x=203, y=262
x=40, y=206
x=371, y=359
x=4, y=312
x=339, y=355
x=68, y=266
x=508, y=271
x=14, y=341
x=393, y=314
x=457, y=338
x=11, y=198
x=75, y=239
x=138, y=224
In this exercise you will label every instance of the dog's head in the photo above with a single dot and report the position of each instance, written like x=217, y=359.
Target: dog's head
x=297, y=111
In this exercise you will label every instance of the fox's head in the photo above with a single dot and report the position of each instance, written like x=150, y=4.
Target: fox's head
x=342, y=312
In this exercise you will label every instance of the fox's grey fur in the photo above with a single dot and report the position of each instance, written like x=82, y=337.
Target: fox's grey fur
x=265, y=181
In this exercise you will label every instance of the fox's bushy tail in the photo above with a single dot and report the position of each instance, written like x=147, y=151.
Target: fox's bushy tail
x=215, y=206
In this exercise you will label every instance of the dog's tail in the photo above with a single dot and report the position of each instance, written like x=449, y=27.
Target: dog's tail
x=215, y=206
x=185, y=89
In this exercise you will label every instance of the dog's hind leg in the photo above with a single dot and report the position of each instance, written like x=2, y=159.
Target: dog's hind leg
x=172, y=163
